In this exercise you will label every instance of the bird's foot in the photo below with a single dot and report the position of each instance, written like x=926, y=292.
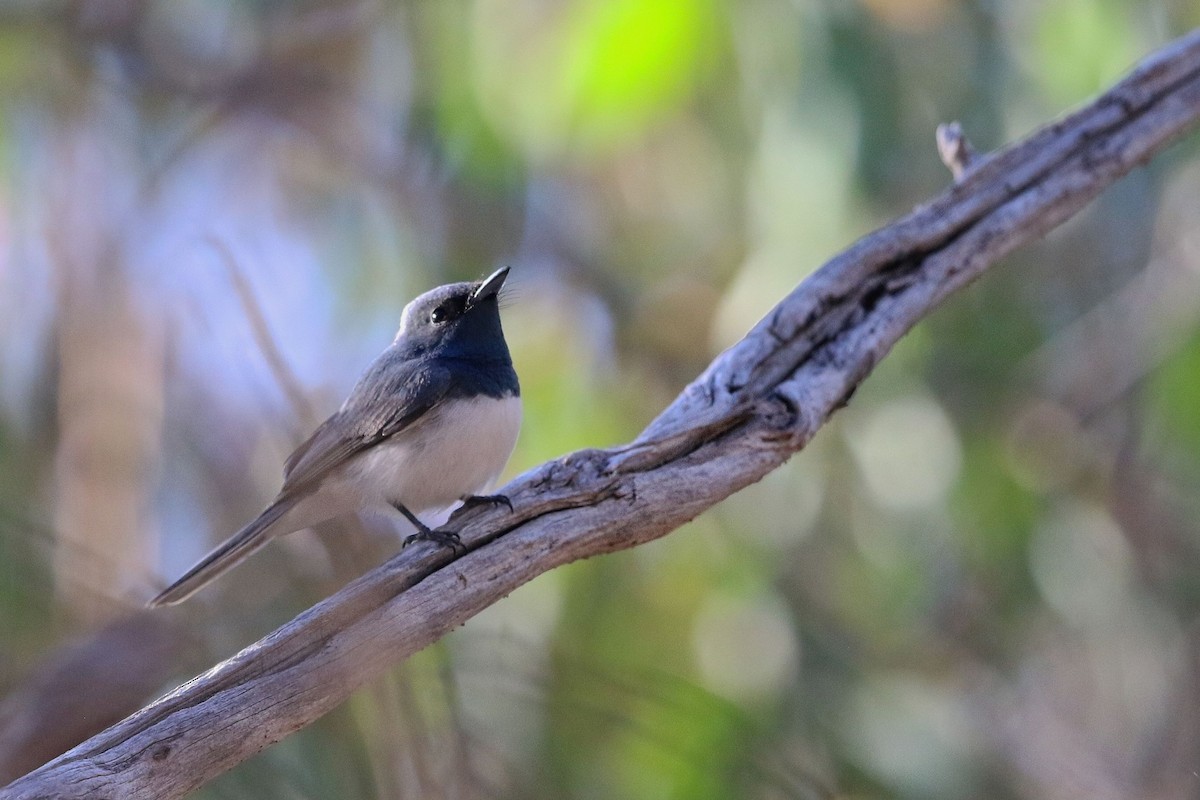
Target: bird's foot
x=426, y=534
x=444, y=538
x=476, y=500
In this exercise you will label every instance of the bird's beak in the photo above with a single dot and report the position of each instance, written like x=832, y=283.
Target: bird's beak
x=490, y=286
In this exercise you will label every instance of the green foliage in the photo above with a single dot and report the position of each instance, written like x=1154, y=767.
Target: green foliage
x=1082, y=45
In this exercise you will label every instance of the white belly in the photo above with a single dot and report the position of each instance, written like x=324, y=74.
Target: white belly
x=459, y=450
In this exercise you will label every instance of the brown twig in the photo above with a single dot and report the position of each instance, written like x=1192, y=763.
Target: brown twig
x=303, y=414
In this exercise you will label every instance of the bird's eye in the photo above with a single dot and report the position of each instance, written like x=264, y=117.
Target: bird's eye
x=448, y=310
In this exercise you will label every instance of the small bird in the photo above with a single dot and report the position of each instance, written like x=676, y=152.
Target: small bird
x=431, y=422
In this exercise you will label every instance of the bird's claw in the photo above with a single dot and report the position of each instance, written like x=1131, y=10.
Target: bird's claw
x=444, y=538
x=450, y=538
x=474, y=500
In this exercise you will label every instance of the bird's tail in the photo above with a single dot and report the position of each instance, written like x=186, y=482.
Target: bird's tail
x=228, y=554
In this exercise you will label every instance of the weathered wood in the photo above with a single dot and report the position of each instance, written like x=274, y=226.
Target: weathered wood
x=755, y=406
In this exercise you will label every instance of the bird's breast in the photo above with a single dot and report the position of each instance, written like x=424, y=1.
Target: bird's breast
x=457, y=449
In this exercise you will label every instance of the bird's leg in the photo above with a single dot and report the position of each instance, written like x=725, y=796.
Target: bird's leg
x=426, y=534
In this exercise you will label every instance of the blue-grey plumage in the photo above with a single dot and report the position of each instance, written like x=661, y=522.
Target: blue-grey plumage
x=433, y=420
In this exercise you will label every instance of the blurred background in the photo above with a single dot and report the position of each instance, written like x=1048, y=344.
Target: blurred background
x=981, y=580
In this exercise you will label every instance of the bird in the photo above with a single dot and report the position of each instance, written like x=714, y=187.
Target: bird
x=432, y=421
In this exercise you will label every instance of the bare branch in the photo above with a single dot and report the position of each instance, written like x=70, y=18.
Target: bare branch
x=754, y=407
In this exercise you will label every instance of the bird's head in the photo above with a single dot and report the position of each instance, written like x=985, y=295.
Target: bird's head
x=459, y=319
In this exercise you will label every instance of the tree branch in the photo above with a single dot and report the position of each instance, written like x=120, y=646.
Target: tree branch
x=754, y=407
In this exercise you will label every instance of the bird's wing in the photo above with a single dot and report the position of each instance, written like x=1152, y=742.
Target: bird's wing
x=389, y=398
